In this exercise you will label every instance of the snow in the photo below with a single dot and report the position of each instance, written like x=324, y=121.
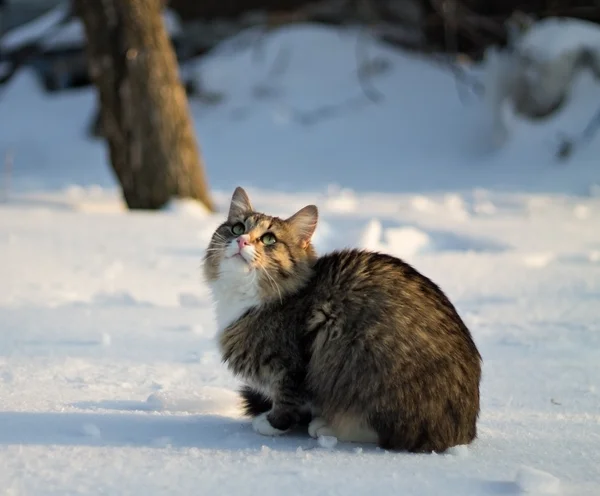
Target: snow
x=327, y=442
x=554, y=59
x=110, y=379
x=461, y=451
x=552, y=37
x=531, y=480
x=70, y=35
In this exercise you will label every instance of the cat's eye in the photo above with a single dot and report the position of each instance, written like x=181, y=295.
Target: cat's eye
x=238, y=229
x=268, y=239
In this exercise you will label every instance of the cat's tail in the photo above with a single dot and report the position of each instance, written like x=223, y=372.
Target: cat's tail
x=254, y=402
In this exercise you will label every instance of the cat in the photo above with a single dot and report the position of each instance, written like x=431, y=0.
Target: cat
x=356, y=344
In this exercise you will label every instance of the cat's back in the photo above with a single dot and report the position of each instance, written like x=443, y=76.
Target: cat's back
x=366, y=274
x=357, y=291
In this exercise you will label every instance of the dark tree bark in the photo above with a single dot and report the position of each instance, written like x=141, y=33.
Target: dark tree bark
x=144, y=108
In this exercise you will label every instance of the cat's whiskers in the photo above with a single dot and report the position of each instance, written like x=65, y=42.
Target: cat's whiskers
x=220, y=237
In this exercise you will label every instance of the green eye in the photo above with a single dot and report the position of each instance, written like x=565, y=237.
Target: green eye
x=268, y=239
x=238, y=229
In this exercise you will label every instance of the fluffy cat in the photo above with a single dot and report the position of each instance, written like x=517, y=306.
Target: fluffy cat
x=357, y=343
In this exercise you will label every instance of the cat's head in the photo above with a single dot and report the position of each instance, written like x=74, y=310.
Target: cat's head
x=260, y=254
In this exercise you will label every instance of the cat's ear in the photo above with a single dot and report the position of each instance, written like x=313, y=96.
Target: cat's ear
x=240, y=204
x=304, y=223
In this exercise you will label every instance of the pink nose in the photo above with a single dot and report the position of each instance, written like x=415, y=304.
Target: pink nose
x=242, y=242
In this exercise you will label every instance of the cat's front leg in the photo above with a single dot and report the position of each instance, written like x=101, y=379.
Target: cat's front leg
x=288, y=406
x=265, y=424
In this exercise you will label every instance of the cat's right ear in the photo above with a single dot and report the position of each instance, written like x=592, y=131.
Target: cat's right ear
x=240, y=204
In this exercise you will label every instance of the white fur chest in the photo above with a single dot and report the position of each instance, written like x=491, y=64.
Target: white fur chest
x=234, y=293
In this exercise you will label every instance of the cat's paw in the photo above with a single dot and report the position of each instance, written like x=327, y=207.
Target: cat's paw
x=262, y=425
x=319, y=427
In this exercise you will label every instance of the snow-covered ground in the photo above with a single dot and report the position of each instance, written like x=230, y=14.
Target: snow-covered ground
x=110, y=382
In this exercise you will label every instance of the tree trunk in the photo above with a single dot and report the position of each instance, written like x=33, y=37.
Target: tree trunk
x=144, y=108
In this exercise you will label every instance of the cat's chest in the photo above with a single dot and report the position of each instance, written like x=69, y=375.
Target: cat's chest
x=240, y=349
x=250, y=354
x=231, y=303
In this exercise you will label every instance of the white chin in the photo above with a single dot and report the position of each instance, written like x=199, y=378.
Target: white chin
x=237, y=263
x=245, y=258
x=236, y=258
x=242, y=261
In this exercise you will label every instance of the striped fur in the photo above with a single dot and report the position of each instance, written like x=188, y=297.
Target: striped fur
x=361, y=341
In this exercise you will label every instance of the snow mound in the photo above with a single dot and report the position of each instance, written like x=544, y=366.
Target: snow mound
x=406, y=242
x=531, y=480
x=327, y=442
x=403, y=242
x=187, y=207
x=461, y=451
x=207, y=400
x=370, y=238
x=551, y=37
x=91, y=430
x=344, y=202
x=539, y=260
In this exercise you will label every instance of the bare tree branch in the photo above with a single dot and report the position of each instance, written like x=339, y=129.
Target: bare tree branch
x=19, y=57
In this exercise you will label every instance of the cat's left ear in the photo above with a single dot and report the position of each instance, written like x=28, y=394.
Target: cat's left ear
x=304, y=223
x=240, y=204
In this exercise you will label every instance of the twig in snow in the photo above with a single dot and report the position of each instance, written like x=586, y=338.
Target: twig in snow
x=365, y=68
x=451, y=42
x=368, y=13
x=309, y=118
x=462, y=77
x=568, y=145
x=277, y=68
x=282, y=59
x=281, y=62
x=449, y=10
x=8, y=171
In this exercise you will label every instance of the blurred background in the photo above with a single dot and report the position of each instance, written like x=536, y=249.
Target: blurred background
x=168, y=99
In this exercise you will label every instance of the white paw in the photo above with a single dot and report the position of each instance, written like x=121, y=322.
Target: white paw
x=318, y=427
x=262, y=425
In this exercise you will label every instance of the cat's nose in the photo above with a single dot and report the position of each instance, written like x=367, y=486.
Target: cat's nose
x=242, y=242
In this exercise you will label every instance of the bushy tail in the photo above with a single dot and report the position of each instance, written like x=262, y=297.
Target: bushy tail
x=254, y=402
